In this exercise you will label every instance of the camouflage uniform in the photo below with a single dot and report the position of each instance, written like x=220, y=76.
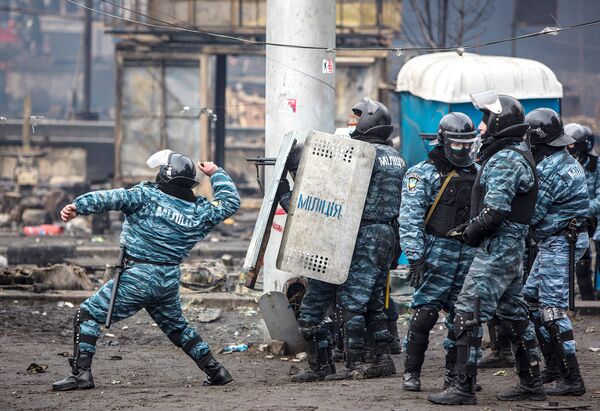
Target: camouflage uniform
x=361, y=295
x=160, y=229
x=592, y=175
x=562, y=197
x=495, y=279
x=448, y=262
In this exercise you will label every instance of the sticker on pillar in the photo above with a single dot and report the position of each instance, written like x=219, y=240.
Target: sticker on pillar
x=328, y=66
x=287, y=105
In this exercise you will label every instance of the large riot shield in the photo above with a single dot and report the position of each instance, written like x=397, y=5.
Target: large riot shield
x=262, y=228
x=326, y=207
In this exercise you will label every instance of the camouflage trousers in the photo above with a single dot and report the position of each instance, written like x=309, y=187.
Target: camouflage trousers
x=449, y=262
x=154, y=288
x=548, y=282
x=495, y=283
x=361, y=296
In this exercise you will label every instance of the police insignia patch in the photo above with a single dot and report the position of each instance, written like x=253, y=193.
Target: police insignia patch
x=413, y=179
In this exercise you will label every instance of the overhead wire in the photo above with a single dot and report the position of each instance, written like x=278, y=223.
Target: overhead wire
x=171, y=26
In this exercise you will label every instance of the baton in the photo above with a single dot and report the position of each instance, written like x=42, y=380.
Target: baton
x=113, y=294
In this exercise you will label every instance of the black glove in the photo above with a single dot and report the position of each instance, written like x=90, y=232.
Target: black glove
x=457, y=232
x=483, y=226
x=416, y=272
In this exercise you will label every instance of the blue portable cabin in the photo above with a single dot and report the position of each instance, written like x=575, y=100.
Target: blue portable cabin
x=432, y=85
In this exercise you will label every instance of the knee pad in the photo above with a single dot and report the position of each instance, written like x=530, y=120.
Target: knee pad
x=514, y=330
x=549, y=314
x=423, y=320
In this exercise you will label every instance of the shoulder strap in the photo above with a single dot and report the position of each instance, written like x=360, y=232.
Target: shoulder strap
x=439, y=196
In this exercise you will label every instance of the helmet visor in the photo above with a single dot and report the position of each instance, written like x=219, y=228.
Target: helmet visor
x=487, y=101
x=461, y=152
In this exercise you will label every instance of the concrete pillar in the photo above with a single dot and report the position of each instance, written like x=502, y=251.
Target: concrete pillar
x=299, y=96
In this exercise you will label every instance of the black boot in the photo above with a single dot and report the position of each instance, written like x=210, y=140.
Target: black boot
x=449, y=373
x=80, y=377
x=530, y=387
x=501, y=355
x=551, y=371
x=216, y=374
x=570, y=381
x=320, y=363
x=462, y=389
x=352, y=369
x=383, y=365
x=421, y=323
x=462, y=392
x=395, y=347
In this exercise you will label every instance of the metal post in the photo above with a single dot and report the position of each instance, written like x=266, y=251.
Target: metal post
x=87, y=57
x=220, y=90
x=26, y=124
x=85, y=113
x=299, y=96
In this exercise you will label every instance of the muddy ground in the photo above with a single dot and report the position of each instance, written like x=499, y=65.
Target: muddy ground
x=153, y=374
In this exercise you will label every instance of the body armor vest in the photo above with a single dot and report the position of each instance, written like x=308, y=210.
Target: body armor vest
x=523, y=205
x=453, y=208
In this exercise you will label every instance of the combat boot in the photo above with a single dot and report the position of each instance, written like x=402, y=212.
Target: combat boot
x=412, y=381
x=551, y=371
x=216, y=374
x=395, y=347
x=320, y=364
x=352, y=370
x=528, y=389
x=570, y=382
x=383, y=365
x=461, y=392
x=80, y=377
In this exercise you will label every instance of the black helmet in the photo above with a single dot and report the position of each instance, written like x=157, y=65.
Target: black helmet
x=179, y=170
x=584, y=141
x=373, y=119
x=457, y=134
x=545, y=127
x=503, y=115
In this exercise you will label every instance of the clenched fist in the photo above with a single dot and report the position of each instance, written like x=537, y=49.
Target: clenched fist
x=68, y=212
x=207, y=167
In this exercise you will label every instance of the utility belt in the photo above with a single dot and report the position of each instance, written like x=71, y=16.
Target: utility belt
x=130, y=258
x=573, y=229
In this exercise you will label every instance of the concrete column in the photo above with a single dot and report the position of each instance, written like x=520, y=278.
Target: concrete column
x=299, y=96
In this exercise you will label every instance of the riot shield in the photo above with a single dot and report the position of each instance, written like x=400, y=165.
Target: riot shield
x=326, y=207
x=262, y=228
x=281, y=323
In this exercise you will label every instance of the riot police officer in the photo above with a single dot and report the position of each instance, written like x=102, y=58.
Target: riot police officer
x=583, y=150
x=360, y=298
x=436, y=197
x=151, y=274
x=560, y=231
x=503, y=202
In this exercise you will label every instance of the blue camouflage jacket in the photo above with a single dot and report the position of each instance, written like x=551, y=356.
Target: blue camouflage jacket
x=504, y=175
x=593, y=184
x=384, y=196
x=562, y=194
x=159, y=227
